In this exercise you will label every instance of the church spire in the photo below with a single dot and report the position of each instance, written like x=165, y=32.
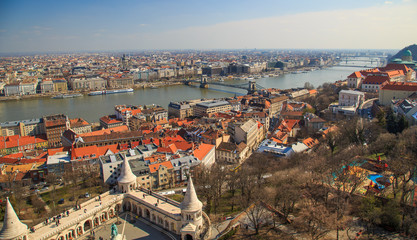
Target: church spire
x=12, y=227
x=191, y=202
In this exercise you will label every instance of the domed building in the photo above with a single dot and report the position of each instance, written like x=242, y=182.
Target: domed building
x=407, y=56
x=406, y=59
x=12, y=229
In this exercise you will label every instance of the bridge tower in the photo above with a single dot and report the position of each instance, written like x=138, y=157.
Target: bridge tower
x=204, y=83
x=252, y=87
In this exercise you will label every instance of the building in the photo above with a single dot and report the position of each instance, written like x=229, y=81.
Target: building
x=30, y=127
x=276, y=104
x=183, y=168
x=232, y=153
x=186, y=219
x=17, y=143
x=47, y=86
x=80, y=126
x=351, y=98
x=110, y=122
x=162, y=174
x=206, y=153
x=354, y=80
x=180, y=110
x=54, y=127
x=246, y=132
x=372, y=83
x=11, y=89
x=57, y=163
x=272, y=147
x=206, y=108
x=60, y=85
x=396, y=90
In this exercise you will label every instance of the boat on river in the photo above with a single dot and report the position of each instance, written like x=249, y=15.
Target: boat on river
x=62, y=96
x=105, y=92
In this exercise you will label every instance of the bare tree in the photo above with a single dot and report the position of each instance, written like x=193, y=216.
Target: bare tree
x=257, y=215
x=316, y=220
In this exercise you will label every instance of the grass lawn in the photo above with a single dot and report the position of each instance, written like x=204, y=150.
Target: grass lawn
x=375, y=156
x=68, y=192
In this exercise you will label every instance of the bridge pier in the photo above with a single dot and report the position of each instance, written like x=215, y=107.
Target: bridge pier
x=252, y=87
x=203, y=83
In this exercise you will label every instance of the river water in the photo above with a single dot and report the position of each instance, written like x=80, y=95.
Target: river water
x=91, y=108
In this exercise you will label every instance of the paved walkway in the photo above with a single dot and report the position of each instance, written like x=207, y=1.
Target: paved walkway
x=134, y=228
x=88, y=209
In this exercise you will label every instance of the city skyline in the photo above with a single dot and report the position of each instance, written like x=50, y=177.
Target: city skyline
x=49, y=26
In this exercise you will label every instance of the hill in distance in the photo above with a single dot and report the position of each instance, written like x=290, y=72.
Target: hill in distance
x=412, y=48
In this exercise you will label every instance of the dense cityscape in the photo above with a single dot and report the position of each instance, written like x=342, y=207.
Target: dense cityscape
x=258, y=143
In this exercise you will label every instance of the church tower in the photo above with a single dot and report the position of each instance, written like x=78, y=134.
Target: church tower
x=12, y=229
x=126, y=182
x=191, y=214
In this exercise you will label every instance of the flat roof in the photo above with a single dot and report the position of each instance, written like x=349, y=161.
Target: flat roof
x=26, y=122
x=213, y=103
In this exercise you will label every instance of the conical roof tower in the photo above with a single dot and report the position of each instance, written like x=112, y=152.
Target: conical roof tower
x=191, y=202
x=12, y=227
x=126, y=175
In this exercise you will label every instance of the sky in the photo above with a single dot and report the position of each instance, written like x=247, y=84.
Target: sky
x=110, y=25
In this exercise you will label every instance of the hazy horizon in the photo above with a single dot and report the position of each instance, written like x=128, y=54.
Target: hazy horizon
x=110, y=26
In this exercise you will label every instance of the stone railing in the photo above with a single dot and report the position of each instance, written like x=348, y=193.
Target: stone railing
x=159, y=196
x=207, y=233
x=79, y=219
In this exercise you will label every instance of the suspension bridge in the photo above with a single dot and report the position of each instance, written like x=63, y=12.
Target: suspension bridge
x=251, y=86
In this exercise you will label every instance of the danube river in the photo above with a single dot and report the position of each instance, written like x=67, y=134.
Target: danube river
x=92, y=108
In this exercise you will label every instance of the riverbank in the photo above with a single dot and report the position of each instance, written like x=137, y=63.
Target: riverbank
x=166, y=83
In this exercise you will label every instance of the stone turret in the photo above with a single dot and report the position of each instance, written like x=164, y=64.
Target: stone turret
x=191, y=213
x=126, y=182
x=12, y=229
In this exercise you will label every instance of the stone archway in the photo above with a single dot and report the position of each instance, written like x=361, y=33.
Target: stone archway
x=96, y=221
x=139, y=212
x=87, y=225
x=147, y=214
x=117, y=208
x=188, y=237
x=71, y=234
x=80, y=231
x=111, y=213
x=134, y=208
x=166, y=225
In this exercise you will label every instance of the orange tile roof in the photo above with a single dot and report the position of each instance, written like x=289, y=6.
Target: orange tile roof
x=184, y=146
x=154, y=167
x=109, y=120
x=310, y=142
x=170, y=149
x=400, y=86
x=156, y=158
x=53, y=151
x=202, y=150
x=122, y=128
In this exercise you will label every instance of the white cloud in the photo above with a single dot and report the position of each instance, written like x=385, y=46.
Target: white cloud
x=388, y=2
x=143, y=25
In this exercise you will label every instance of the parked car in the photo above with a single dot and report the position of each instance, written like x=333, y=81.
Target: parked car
x=61, y=201
x=87, y=195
